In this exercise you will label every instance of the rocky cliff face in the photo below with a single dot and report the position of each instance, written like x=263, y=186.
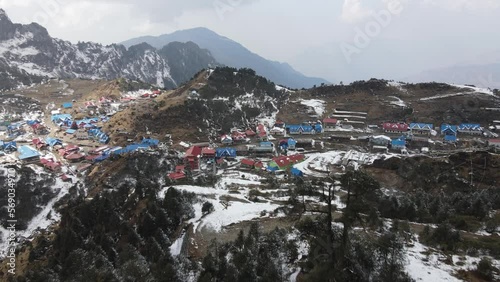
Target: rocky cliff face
x=28, y=54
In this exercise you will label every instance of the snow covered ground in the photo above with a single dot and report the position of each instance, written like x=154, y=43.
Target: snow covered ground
x=347, y=116
x=135, y=94
x=398, y=85
x=425, y=264
x=350, y=113
x=475, y=91
x=317, y=105
x=319, y=164
x=237, y=209
x=176, y=247
x=398, y=102
x=41, y=221
x=444, y=96
x=279, y=88
x=422, y=270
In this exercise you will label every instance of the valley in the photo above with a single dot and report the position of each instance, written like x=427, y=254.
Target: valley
x=187, y=157
x=127, y=173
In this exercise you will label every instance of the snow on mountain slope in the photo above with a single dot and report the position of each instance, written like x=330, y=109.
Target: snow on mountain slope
x=426, y=264
x=226, y=212
x=475, y=89
x=30, y=50
x=43, y=213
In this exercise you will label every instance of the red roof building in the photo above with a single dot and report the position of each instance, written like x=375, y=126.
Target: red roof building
x=91, y=157
x=71, y=148
x=238, y=136
x=247, y=163
x=261, y=128
x=192, y=157
x=62, y=152
x=75, y=157
x=53, y=166
x=395, y=127
x=39, y=143
x=38, y=128
x=330, y=121
x=250, y=133
x=176, y=176
x=494, y=143
x=284, y=162
x=207, y=152
x=83, y=167
x=180, y=168
x=65, y=178
x=279, y=124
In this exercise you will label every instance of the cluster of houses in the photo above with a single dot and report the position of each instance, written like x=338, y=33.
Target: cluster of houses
x=278, y=129
x=19, y=128
x=428, y=129
x=412, y=131
x=195, y=156
x=82, y=129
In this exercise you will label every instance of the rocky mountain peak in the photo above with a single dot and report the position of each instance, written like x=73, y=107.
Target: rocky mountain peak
x=28, y=52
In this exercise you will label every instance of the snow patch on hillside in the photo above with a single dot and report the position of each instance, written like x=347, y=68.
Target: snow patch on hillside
x=426, y=264
x=422, y=270
x=398, y=102
x=475, y=89
x=397, y=85
x=280, y=88
x=229, y=208
x=41, y=221
x=176, y=247
x=317, y=105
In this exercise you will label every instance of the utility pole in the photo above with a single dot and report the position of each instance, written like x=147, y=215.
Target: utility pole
x=471, y=172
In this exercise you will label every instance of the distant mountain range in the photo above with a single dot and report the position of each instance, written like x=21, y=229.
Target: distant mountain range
x=233, y=54
x=487, y=75
x=28, y=54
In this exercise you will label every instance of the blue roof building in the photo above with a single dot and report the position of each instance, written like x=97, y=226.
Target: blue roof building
x=266, y=144
x=398, y=144
x=67, y=105
x=53, y=141
x=296, y=172
x=32, y=122
x=301, y=129
x=8, y=146
x=101, y=158
x=99, y=135
x=447, y=129
x=28, y=153
x=61, y=118
x=450, y=138
x=225, y=153
x=470, y=128
x=318, y=127
x=421, y=127
x=150, y=142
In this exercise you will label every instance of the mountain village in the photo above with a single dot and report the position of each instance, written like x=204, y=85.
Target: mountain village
x=157, y=160
x=54, y=137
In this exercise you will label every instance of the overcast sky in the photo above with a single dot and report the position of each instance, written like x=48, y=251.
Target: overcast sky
x=314, y=36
